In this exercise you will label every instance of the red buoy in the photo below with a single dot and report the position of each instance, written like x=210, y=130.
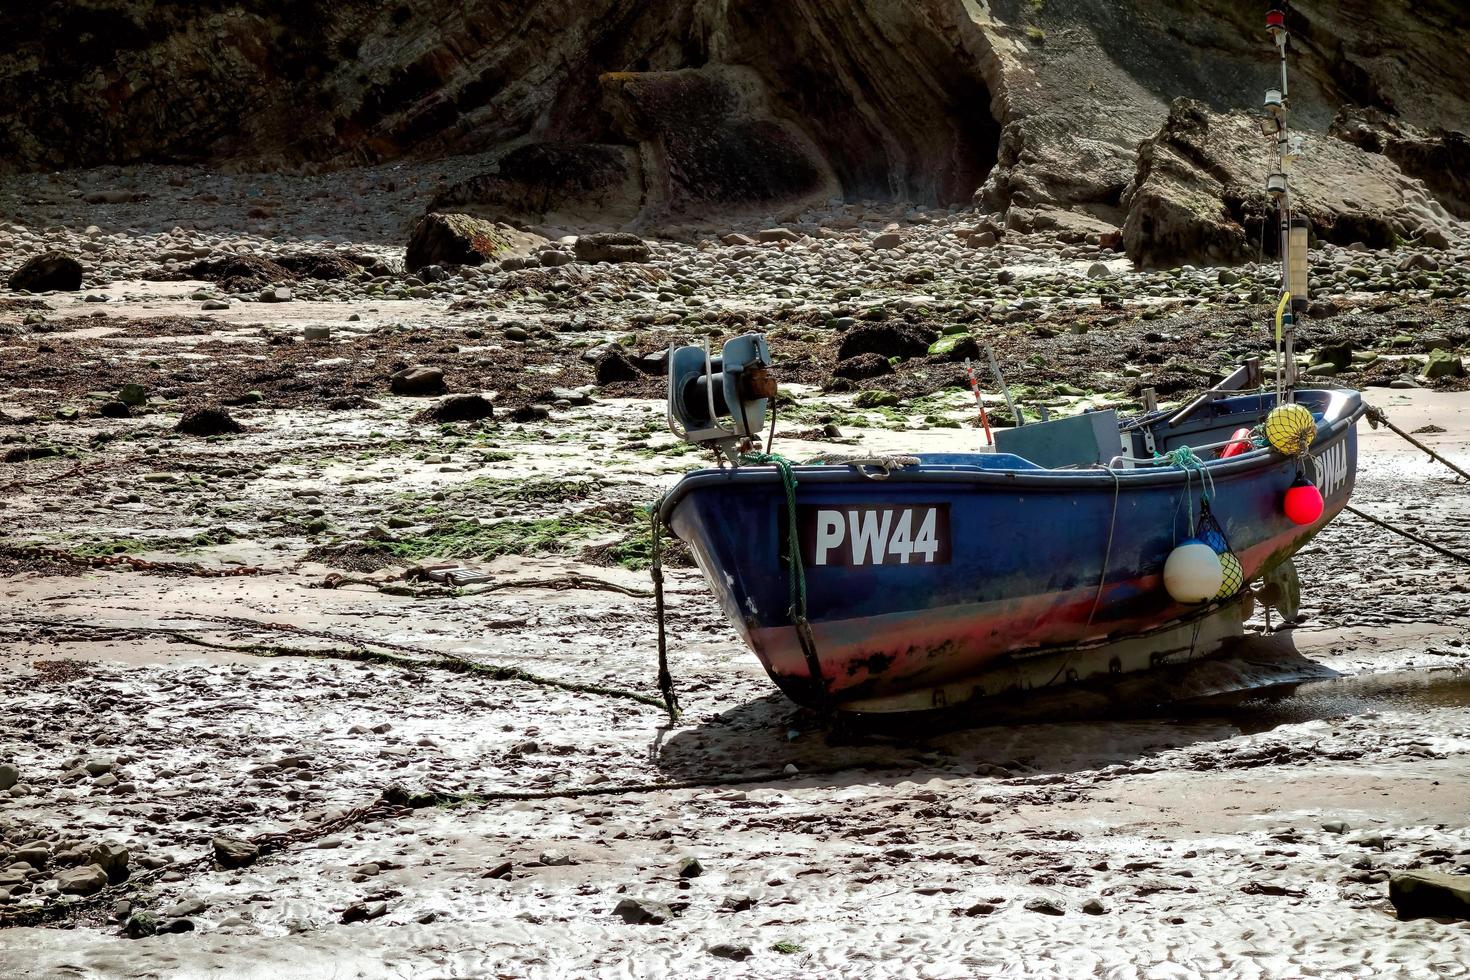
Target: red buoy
x=1240, y=442
x=1303, y=503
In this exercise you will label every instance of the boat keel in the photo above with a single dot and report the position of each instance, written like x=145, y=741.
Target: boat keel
x=1175, y=643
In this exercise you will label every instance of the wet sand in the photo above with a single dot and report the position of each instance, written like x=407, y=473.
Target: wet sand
x=1248, y=836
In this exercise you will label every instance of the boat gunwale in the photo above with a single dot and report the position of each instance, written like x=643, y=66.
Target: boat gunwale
x=1038, y=479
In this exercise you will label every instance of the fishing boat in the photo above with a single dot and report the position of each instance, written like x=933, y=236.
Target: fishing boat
x=1071, y=548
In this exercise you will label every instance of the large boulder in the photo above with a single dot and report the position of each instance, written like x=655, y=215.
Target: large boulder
x=86, y=880
x=1439, y=157
x=51, y=271
x=452, y=239
x=1199, y=193
x=1430, y=893
x=232, y=852
x=611, y=247
x=418, y=381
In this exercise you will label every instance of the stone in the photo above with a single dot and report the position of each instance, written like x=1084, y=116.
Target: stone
x=453, y=239
x=112, y=859
x=316, y=332
x=737, y=903
x=876, y=399
x=1416, y=894
x=9, y=776
x=47, y=272
x=186, y=907
x=613, y=367
x=730, y=951
x=572, y=396
x=232, y=852
x=1094, y=906
x=1228, y=277
x=690, y=868
x=274, y=294
x=643, y=912
x=552, y=258
x=459, y=408
x=212, y=420
x=176, y=926
x=955, y=347
x=1098, y=270
x=1336, y=826
x=86, y=880
x=737, y=239
x=611, y=247
x=364, y=912
x=556, y=859
x=96, y=767
x=888, y=240
x=216, y=304
x=1444, y=364
x=1045, y=906
x=418, y=381
x=1339, y=355
x=984, y=239
x=140, y=925
x=777, y=235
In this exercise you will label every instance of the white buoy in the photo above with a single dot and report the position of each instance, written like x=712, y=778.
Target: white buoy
x=1192, y=573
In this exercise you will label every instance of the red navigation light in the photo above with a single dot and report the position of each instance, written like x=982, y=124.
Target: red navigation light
x=1275, y=20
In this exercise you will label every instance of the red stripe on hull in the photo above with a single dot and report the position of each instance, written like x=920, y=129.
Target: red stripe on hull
x=879, y=655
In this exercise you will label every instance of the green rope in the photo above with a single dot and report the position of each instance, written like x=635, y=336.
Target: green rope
x=1185, y=459
x=796, y=575
x=796, y=571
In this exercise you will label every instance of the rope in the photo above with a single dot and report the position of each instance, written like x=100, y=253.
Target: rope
x=1108, y=554
x=1376, y=416
x=665, y=678
x=439, y=660
x=1457, y=556
x=796, y=575
x=1185, y=459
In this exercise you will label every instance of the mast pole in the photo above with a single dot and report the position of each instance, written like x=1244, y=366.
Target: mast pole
x=1293, y=239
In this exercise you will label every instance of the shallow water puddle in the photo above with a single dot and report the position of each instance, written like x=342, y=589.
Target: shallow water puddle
x=1364, y=694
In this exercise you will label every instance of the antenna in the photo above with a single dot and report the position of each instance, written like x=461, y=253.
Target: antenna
x=1294, y=231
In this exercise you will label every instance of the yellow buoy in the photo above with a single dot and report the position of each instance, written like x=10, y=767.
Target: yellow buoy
x=1231, y=575
x=1290, y=429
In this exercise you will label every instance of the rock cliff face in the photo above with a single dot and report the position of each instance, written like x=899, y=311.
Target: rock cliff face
x=627, y=111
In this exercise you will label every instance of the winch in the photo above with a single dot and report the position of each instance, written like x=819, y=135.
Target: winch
x=706, y=389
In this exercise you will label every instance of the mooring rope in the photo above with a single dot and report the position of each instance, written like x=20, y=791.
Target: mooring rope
x=1447, y=552
x=796, y=575
x=1108, y=553
x=665, y=678
x=1376, y=417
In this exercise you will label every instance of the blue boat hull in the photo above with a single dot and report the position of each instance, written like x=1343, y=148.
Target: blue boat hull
x=933, y=574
